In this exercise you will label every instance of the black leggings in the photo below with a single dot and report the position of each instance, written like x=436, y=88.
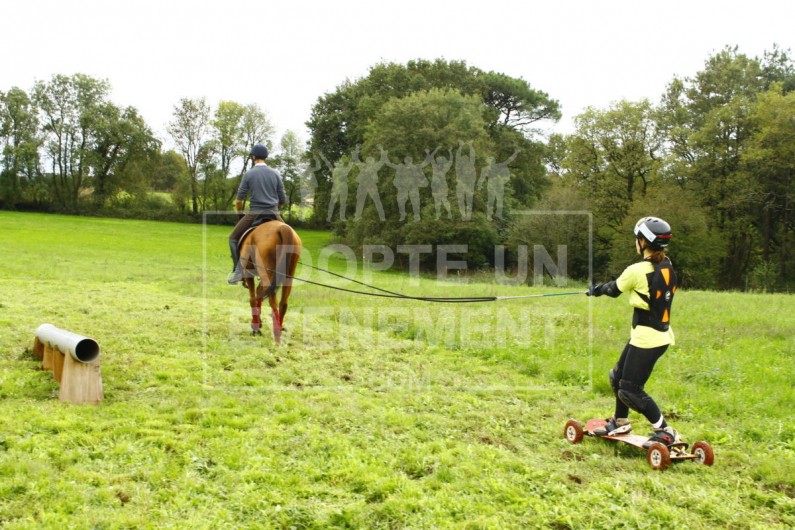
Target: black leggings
x=631, y=373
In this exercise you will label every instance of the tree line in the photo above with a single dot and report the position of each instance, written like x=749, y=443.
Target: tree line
x=715, y=156
x=67, y=148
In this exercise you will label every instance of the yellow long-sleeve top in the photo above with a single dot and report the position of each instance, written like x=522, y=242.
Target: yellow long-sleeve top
x=632, y=281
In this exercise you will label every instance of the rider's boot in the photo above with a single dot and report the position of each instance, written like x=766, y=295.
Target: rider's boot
x=237, y=270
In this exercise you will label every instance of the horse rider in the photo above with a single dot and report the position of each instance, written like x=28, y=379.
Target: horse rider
x=266, y=190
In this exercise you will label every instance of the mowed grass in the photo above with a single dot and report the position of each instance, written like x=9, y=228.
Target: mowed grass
x=374, y=413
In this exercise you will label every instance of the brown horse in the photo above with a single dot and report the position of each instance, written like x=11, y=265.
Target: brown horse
x=271, y=252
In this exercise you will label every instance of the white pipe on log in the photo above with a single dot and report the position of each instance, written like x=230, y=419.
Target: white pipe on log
x=80, y=348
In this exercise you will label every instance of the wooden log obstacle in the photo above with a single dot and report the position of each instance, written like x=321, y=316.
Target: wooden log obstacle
x=74, y=361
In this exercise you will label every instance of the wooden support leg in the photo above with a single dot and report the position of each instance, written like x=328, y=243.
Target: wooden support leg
x=47, y=357
x=57, y=363
x=38, y=349
x=81, y=382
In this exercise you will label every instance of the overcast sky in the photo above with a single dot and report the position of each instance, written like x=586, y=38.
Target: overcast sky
x=283, y=55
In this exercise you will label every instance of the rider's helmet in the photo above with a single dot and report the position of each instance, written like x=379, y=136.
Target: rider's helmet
x=655, y=231
x=259, y=152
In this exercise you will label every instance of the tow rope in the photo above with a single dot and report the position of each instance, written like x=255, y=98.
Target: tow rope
x=384, y=293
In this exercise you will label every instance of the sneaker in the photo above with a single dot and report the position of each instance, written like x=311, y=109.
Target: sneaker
x=666, y=436
x=614, y=427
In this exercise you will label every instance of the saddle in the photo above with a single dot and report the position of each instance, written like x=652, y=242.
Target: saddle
x=260, y=219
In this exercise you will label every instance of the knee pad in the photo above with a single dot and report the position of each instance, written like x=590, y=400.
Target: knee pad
x=614, y=380
x=633, y=396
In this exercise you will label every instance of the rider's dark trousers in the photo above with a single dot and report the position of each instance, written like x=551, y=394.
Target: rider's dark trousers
x=242, y=225
x=635, y=366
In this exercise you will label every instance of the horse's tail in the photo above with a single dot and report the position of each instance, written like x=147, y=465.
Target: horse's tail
x=285, y=265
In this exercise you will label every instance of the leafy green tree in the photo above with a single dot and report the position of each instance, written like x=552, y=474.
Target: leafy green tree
x=707, y=122
x=554, y=154
x=778, y=67
x=190, y=129
x=70, y=108
x=19, y=139
x=421, y=121
x=770, y=161
x=181, y=192
x=228, y=125
x=425, y=108
x=697, y=246
x=612, y=157
x=168, y=170
x=550, y=230
x=331, y=127
x=529, y=177
x=257, y=129
x=288, y=163
x=415, y=126
x=214, y=186
x=615, y=154
x=235, y=128
x=122, y=140
x=340, y=120
x=519, y=106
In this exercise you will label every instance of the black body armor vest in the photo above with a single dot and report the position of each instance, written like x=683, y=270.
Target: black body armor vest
x=662, y=286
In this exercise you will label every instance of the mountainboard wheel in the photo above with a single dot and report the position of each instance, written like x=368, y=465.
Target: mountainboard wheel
x=658, y=456
x=704, y=454
x=573, y=431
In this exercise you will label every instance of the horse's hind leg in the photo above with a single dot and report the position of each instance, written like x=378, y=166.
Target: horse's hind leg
x=283, y=304
x=256, y=305
x=287, y=286
x=276, y=317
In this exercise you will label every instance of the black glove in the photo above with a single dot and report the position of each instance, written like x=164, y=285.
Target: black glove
x=594, y=290
x=608, y=288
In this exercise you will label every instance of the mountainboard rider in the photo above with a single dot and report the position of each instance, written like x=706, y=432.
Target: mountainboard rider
x=651, y=284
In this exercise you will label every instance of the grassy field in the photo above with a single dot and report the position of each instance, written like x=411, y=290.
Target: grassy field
x=373, y=413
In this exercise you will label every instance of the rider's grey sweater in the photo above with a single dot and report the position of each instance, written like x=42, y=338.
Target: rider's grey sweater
x=264, y=185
